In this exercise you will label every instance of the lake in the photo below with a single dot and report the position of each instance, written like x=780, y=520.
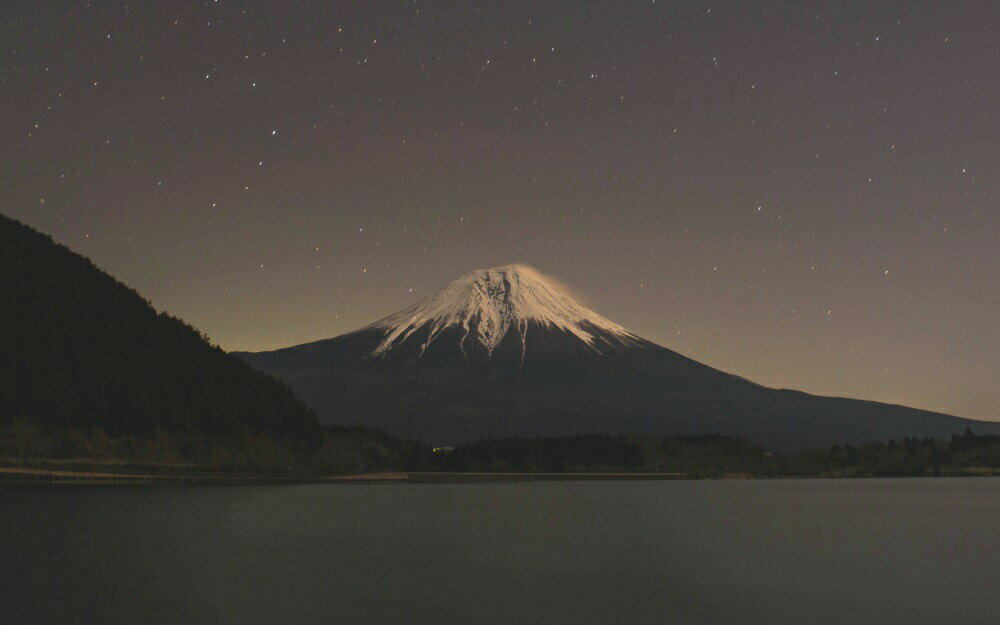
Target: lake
x=700, y=552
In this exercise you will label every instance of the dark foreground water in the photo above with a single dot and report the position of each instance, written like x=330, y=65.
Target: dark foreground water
x=813, y=551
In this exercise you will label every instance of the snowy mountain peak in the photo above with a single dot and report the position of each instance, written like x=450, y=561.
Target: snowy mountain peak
x=490, y=303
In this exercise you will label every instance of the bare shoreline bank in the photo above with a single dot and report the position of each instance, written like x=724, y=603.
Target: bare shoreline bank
x=23, y=475
x=64, y=476
x=67, y=476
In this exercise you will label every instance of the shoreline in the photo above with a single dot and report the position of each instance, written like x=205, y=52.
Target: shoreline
x=67, y=476
x=24, y=475
x=443, y=477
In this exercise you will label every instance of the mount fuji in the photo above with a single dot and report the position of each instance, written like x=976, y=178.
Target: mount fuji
x=506, y=352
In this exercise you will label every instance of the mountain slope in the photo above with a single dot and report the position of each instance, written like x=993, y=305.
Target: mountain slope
x=504, y=352
x=80, y=349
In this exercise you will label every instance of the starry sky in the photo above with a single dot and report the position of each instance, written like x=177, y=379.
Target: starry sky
x=802, y=193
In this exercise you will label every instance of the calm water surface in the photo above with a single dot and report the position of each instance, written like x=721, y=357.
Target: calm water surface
x=810, y=551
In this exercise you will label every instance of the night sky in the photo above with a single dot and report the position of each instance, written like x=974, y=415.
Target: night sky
x=804, y=194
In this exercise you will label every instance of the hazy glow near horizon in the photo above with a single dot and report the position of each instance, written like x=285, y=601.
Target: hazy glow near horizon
x=801, y=196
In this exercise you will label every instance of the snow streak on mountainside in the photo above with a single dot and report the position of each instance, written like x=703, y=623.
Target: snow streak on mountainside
x=490, y=303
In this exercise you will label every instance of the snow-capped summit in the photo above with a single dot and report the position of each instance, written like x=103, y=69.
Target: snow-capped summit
x=487, y=304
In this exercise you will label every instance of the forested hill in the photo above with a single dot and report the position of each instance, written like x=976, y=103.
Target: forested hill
x=78, y=349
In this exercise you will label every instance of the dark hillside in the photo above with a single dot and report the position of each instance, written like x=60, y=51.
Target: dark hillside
x=78, y=349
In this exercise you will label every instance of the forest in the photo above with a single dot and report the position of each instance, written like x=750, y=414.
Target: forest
x=80, y=351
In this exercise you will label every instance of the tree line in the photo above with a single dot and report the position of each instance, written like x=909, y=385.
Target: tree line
x=341, y=450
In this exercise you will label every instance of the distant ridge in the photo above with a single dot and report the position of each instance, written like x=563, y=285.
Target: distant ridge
x=79, y=349
x=505, y=352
